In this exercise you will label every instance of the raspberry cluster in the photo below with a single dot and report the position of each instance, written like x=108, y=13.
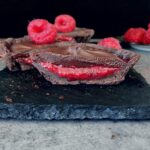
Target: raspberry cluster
x=41, y=31
x=138, y=35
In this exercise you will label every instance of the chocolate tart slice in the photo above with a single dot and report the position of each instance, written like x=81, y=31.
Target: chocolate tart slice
x=79, y=34
x=10, y=47
x=67, y=63
x=13, y=48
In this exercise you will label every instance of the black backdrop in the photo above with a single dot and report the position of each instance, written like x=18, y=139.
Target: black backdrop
x=107, y=17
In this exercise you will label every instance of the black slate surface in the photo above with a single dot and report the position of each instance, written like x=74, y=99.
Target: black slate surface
x=26, y=95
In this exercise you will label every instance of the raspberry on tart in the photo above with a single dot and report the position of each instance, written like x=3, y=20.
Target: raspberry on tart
x=41, y=31
x=110, y=42
x=65, y=23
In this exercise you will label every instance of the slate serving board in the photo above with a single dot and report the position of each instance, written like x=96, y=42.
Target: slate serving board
x=26, y=95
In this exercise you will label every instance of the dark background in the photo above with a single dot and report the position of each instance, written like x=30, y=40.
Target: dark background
x=107, y=17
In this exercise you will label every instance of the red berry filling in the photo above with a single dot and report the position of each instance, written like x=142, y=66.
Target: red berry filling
x=64, y=38
x=74, y=73
x=26, y=60
x=41, y=31
x=65, y=23
x=110, y=42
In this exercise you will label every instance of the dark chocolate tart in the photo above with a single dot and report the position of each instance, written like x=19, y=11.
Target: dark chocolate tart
x=86, y=61
x=83, y=57
x=11, y=46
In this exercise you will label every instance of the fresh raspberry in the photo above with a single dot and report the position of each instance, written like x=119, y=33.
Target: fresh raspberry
x=41, y=31
x=146, y=39
x=110, y=42
x=65, y=23
x=134, y=35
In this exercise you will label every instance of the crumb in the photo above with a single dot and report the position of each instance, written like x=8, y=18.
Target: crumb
x=18, y=86
x=36, y=86
x=113, y=136
x=12, y=81
x=13, y=92
x=47, y=94
x=10, y=85
x=39, y=75
x=61, y=97
x=8, y=99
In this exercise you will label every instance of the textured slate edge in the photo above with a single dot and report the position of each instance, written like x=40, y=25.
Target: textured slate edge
x=66, y=112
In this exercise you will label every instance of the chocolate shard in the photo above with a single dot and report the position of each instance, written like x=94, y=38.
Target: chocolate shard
x=84, y=55
x=80, y=34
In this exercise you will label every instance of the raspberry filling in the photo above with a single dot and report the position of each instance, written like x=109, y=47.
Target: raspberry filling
x=26, y=60
x=75, y=73
x=64, y=38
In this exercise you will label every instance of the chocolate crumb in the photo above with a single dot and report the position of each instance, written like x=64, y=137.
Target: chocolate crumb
x=18, y=86
x=13, y=92
x=47, y=94
x=61, y=97
x=12, y=81
x=39, y=75
x=10, y=85
x=8, y=99
x=35, y=86
x=113, y=136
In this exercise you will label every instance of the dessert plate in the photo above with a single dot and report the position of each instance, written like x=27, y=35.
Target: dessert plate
x=140, y=47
